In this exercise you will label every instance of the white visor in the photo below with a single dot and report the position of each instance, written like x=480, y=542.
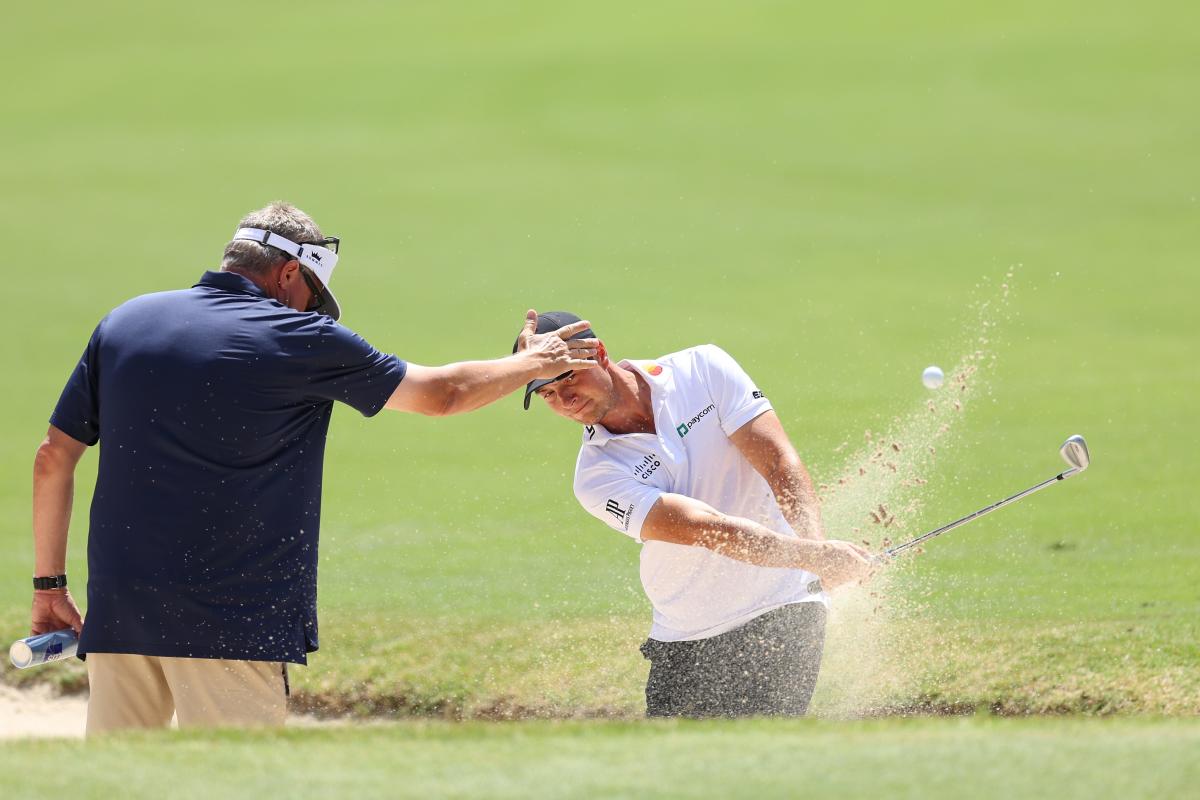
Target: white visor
x=320, y=260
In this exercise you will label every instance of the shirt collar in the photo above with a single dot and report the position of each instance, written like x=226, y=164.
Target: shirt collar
x=595, y=434
x=229, y=282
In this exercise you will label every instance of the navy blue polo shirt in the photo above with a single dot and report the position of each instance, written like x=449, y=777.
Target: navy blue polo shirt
x=211, y=405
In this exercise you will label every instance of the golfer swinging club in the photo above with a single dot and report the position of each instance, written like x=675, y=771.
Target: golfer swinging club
x=684, y=455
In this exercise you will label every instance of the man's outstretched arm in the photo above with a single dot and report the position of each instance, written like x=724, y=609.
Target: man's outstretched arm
x=468, y=385
x=684, y=520
x=766, y=446
x=53, y=496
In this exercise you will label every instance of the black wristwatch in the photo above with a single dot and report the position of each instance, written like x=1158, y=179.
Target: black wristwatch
x=52, y=582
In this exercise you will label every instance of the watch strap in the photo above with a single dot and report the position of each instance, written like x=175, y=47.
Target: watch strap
x=50, y=582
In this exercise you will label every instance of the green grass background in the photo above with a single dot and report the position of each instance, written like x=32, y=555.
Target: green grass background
x=910, y=758
x=824, y=192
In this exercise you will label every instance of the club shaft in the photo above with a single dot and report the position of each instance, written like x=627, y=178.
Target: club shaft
x=981, y=512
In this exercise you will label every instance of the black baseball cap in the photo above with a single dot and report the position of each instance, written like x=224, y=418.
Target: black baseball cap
x=546, y=323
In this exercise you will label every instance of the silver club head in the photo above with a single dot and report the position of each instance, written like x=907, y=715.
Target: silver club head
x=1075, y=452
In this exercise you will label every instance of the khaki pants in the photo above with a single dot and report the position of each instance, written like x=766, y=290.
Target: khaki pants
x=132, y=691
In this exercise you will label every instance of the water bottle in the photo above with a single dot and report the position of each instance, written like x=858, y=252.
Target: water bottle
x=43, y=648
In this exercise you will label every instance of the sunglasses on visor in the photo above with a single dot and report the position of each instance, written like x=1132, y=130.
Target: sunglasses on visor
x=329, y=243
x=315, y=287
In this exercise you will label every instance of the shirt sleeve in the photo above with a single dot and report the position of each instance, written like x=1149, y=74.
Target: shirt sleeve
x=344, y=367
x=736, y=396
x=78, y=411
x=615, y=499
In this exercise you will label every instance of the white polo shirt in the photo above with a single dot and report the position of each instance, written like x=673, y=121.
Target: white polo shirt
x=700, y=397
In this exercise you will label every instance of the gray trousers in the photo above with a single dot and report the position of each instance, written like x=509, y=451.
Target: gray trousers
x=767, y=667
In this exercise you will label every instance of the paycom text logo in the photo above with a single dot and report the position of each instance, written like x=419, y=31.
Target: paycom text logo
x=683, y=427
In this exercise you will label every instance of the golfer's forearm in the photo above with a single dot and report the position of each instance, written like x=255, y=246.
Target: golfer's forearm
x=745, y=540
x=53, y=494
x=766, y=446
x=798, y=500
x=683, y=520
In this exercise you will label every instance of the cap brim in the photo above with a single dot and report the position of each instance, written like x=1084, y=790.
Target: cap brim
x=533, y=386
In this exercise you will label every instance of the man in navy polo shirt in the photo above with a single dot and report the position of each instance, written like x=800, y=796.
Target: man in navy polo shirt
x=213, y=404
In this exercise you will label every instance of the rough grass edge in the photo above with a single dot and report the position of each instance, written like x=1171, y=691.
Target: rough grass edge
x=335, y=704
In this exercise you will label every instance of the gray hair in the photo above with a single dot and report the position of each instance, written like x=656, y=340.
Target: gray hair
x=252, y=258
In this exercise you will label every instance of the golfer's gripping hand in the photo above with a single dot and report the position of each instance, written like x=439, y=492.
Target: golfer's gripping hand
x=844, y=562
x=556, y=350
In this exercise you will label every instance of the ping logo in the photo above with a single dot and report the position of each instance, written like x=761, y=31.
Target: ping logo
x=683, y=428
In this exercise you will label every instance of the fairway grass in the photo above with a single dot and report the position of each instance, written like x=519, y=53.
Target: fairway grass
x=979, y=758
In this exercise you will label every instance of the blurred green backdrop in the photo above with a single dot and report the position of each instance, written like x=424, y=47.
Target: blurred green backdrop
x=825, y=193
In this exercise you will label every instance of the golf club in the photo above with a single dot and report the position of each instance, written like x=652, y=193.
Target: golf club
x=1074, y=451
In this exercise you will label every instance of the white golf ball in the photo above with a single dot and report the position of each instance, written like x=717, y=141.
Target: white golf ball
x=932, y=377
